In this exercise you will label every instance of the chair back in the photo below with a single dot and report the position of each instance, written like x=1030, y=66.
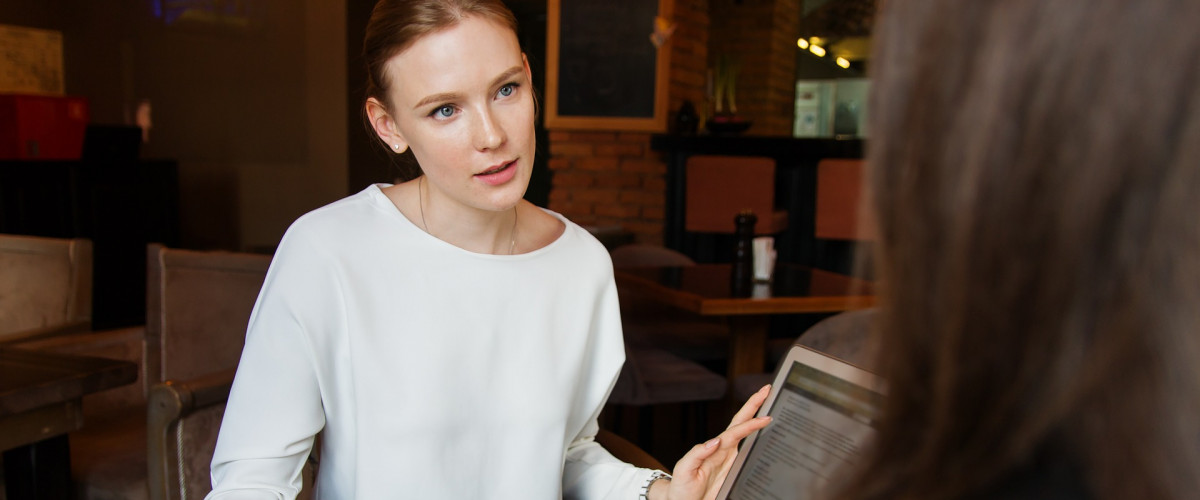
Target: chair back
x=45, y=286
x=198, y=304
x=183, y=420
x=638, y=306
x=841, y=213
x=647, y=322
x=642, y=254
x=720, y=187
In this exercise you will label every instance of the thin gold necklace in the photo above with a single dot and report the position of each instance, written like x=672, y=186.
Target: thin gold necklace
x=512, y=233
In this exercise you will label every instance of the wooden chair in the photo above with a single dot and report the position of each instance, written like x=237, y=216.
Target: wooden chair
x=841, y=213
x=720, y=187
x=45, y=287
x=842, y=225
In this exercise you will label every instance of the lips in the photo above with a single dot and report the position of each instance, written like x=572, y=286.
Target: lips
x=498, y=175
x=498, y=169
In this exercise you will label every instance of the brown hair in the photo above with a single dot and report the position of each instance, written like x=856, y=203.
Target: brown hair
x=1033, y=170
x=397, y=24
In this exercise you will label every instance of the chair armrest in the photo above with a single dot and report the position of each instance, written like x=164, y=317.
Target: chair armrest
x=167, y=403
x=626, y=451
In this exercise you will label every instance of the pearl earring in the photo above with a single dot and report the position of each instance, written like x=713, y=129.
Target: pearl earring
x=396, y=146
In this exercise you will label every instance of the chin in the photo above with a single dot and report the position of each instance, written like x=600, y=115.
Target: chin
x=509, y=198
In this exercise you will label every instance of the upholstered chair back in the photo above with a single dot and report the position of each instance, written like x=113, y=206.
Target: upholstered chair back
x=719, y=187
x=45, y=286
x=198, y=305
x=841, y=211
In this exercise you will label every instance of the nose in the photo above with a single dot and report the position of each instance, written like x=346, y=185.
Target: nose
x=489, y=133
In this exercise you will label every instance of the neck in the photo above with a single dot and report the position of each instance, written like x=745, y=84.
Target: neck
x=480, y=231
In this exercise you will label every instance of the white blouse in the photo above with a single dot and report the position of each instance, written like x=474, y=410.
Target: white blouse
x=433, y=372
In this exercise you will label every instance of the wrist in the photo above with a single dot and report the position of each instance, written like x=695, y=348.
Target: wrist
x=659, y=489
x=656, y=486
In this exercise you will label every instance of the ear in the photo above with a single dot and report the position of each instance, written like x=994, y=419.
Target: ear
x=385, y=126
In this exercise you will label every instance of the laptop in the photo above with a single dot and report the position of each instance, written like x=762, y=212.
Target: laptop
x=823, y=410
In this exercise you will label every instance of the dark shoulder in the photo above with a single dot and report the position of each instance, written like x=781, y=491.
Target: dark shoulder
x=1050, y=474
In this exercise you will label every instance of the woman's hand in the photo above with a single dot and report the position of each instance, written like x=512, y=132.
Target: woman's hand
x=701, y=471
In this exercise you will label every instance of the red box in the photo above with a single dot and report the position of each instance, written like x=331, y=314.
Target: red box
x=42, y=127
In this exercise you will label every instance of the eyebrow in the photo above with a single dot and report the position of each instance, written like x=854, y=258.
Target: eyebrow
x=452, y=96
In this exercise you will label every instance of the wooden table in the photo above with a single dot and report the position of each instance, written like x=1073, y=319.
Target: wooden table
x=40, y=402
x=706, y=289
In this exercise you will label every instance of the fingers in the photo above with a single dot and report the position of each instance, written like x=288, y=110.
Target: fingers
x=706, y=465
x=751, y=407
x=729, y=442
x=696, y=456
x=736, y=432
x=695, y=464
x=731, y=437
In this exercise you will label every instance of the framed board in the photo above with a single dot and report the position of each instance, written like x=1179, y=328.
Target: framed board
x=602, y=70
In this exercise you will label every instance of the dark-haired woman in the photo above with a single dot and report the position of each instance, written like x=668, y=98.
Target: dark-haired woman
x=1036, y=174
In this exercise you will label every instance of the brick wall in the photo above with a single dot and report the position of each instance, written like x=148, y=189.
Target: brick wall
x=608, y=178
x=614, y=178
x=761, y=36
x=781, y=80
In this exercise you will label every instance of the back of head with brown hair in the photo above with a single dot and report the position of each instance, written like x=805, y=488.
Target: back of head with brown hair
x=1034, y=169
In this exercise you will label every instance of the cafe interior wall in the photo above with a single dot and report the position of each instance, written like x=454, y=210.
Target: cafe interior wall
x=248, y=103
x=613, y=178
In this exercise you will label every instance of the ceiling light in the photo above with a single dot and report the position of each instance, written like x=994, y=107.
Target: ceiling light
x=841, y=61
x=802, y=43
x=816, y=49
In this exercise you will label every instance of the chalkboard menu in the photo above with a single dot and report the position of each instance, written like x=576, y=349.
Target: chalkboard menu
x=603, y=70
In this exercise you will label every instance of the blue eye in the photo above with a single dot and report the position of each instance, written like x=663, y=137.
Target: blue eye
x=508, y=90
x=444, y=112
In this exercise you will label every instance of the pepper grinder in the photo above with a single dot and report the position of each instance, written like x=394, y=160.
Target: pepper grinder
x=742, y=276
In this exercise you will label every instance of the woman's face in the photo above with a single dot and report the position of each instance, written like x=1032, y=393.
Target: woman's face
x=463, y=101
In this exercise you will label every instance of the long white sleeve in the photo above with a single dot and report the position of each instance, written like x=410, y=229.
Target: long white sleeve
x=274, y=408
x=591, y=472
